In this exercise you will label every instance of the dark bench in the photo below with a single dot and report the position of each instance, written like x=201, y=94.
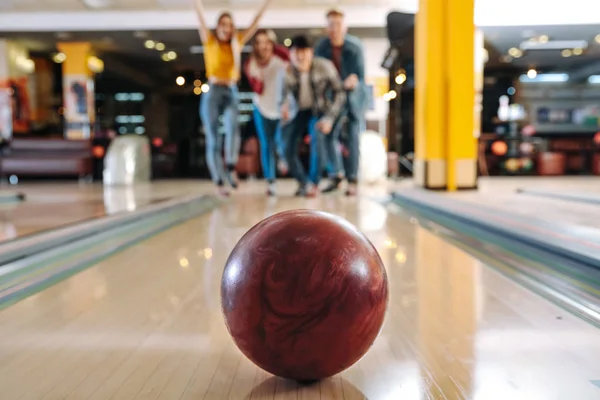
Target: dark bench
x=40, y=157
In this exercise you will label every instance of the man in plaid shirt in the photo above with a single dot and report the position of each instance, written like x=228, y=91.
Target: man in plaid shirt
x=314, y=95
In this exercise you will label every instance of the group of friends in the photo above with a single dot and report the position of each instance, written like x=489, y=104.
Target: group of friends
x=299, y=88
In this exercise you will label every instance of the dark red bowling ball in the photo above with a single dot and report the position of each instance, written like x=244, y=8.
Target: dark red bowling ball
x=304, y=294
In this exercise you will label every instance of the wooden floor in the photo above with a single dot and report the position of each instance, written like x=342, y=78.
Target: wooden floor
x=51, y=205
x=146, y=324
x=501, y=193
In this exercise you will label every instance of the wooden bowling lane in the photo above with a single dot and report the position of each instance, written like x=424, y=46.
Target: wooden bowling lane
x=52, y=205
x=146, y=324
x=501, y=194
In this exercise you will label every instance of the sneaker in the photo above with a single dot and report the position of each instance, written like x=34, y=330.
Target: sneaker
x=334, y=185
x=301, y=192
x=232, y=179
x=312, y=191
x=351, y=190
x=222, y=191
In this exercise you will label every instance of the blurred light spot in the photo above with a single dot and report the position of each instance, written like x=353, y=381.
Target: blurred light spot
x=184, y=262
x=208, y=253
x=401, y=257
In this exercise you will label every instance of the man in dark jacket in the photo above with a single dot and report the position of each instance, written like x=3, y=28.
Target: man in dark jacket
x=313, y=86
x=346, y=53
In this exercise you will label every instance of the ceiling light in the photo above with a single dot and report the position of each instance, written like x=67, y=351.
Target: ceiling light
x=597, y=38
x=545, y=78
x=288, y=42
x=180, y=80
x=160, y=46
x=595, y=79
x=578, y=51
x=506, y=59
x=59, y=58
x=532, y=73
x=554, y=45
x=95, y=64
x=198, y=83
x=543, y=39
x=514, y=52
x=149, y=44
x=165, y=57
x=197, y=91
x=392, y=94
x=567, y=53
x=172, y=55
x=205, y=88
x=97, y=3
x=400, y=78
x=386, y=97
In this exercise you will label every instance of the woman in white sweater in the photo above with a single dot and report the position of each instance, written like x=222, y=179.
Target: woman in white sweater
x=265, y=70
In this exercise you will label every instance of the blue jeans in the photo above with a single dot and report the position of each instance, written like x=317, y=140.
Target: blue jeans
x=295, y=131
x=269, y=135
x=220, y=102
x=335, y=161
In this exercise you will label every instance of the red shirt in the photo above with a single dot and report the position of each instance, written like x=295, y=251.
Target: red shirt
x=336, y=58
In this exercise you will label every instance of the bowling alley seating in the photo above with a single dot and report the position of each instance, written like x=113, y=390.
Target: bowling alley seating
x=47, y=157
x=551, y=164
x=249, y=160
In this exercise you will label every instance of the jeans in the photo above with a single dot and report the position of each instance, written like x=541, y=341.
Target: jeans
x=294, y=133
x=220, y=102
x=269, y=135
x=336, y=164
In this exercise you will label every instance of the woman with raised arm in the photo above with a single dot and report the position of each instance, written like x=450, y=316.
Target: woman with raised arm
x=222, y=59
x=265, y=70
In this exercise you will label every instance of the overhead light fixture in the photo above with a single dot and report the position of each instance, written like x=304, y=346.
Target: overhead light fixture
x=95, y=64
x=165, y=57
x=197, y=91
x=554, y=45
x=400, y=78
x=287, y=42
x=149, y=44
x=97, y=3
x=544, y=78
x=532, y=73
x=594, y=79
x=506, y=59
x=515, y=52
x=543, y=39
x=386, y=97
x=567, y=53
x=205, y=88
x=597, y=38
x=172, y=55
x=59, y=58
x=392, y=94
x=577, y=51
x=180, y=80
x=197, y=83
x=160, y=46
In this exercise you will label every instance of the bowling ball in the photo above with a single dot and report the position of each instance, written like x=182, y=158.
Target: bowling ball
x=304, y=294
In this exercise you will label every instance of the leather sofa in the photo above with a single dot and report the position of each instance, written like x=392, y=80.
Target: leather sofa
x=42, y=157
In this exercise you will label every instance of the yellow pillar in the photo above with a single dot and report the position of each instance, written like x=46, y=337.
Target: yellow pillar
x=445, y=145
x=78, y=90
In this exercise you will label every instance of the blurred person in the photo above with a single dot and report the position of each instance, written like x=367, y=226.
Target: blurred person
x=222, y=58
x=265, y=70
x=346, y=53
x=317, y=92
